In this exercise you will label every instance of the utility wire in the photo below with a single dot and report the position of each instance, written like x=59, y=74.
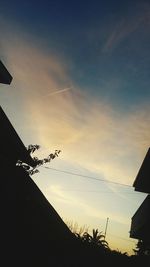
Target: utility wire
x=86, y=176
x=97, y=179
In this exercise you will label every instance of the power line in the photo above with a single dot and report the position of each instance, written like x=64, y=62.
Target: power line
x=86, y=176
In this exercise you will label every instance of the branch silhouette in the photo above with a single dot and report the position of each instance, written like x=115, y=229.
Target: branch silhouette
x=38, y=162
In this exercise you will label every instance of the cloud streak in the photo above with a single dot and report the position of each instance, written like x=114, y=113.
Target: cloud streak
x=59, y=91
x=88, y=210
x=127, y=26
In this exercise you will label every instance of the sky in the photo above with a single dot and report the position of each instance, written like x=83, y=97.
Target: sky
x=81, y=77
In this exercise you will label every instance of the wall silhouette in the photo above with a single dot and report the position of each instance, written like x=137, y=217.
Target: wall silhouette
x=141, y=219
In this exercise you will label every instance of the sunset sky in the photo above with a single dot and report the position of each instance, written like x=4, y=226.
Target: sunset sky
x=81, y=84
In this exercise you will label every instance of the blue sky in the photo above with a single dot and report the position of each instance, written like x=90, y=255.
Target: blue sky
x=81, y=84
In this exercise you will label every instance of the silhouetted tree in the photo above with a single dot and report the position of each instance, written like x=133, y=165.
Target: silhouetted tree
x=38, y=162
x=142, y=248
x=97, y=238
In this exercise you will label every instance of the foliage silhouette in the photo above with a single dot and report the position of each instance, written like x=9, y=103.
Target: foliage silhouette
x=142, y=248
x=38, y=162
x=97, y=238
x=76, y=229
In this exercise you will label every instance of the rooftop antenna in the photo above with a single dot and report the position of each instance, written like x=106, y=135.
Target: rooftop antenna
x=106, y=228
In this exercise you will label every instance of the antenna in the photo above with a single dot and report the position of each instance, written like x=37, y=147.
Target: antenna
x=106, y=228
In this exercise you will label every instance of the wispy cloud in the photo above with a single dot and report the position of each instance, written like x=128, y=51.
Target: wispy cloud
x=95, y=136
x=128, y=25
x=89, y=131
x=88, y=210
x=58, y=91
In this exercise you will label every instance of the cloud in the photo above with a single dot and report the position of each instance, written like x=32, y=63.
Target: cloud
x=128, y=25
x=59, y=91
x=90, y=132
x=94, y=136
x=119, y=33
x=79, y=203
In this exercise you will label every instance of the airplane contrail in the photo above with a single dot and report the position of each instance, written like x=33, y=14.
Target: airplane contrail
x=58, y=91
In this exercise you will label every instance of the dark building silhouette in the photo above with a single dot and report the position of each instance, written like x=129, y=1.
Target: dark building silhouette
x=32, y=232
x=5, y=76
x=140, y=225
